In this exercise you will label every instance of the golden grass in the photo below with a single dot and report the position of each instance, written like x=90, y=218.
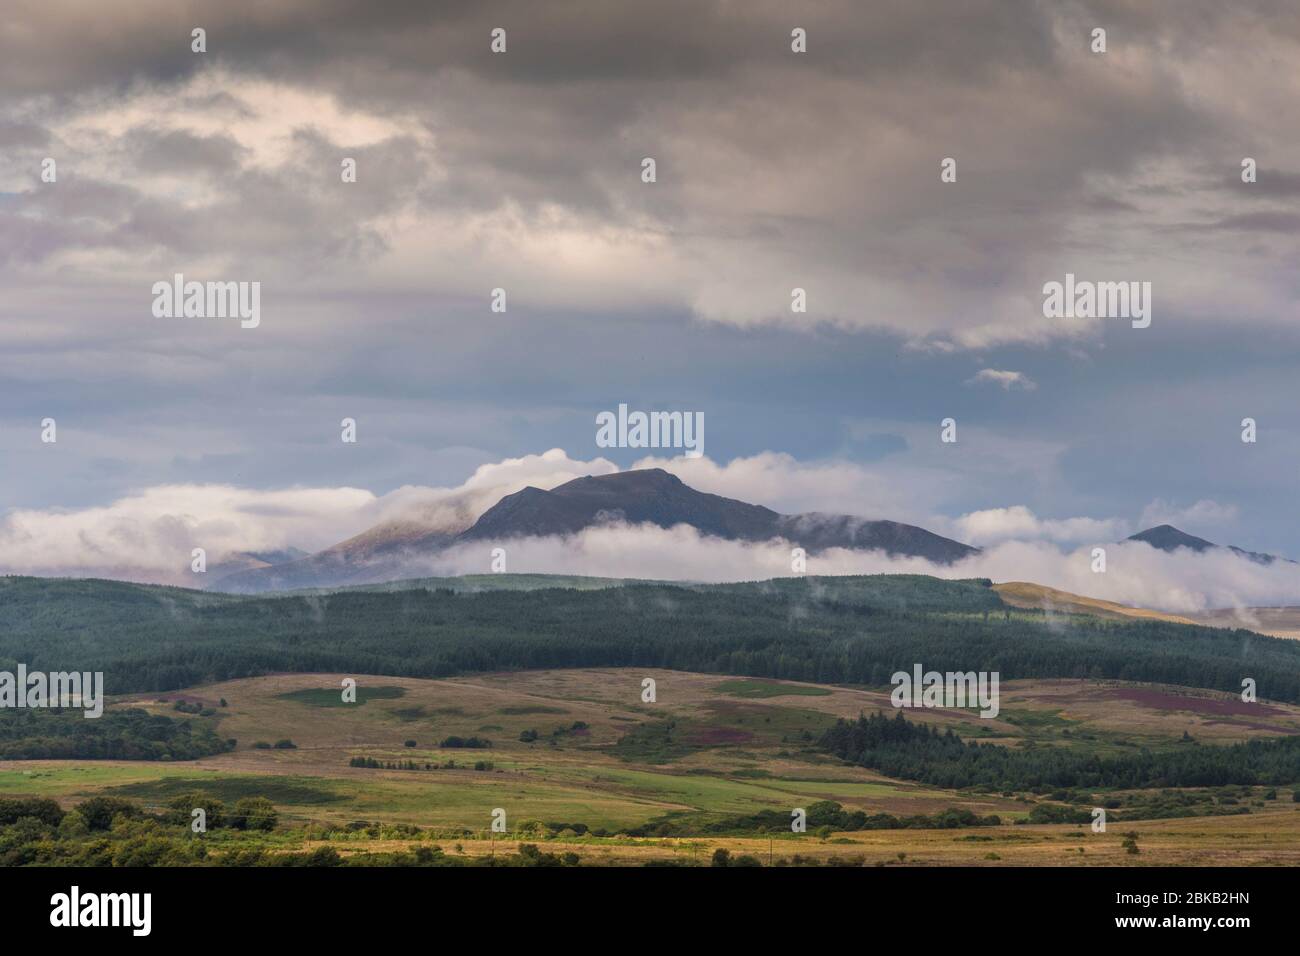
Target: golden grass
x=1040, y=597
x=1266, y=838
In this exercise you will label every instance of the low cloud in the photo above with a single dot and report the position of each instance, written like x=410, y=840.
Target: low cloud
x=148, y=536
x=1018, y=522
x=1136, y=574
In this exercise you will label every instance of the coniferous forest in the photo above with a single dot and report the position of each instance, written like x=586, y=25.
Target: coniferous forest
x=900, y=748
x=852, y=630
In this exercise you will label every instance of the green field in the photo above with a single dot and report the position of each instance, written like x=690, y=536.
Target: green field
x=760, y=688
x=604, y=762
x=736, y=740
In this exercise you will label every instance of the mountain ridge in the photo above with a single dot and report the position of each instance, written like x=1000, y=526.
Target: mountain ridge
x=641, y=496
x=1167, y=538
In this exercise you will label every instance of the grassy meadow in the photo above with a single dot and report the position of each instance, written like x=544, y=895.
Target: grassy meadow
x=581, y=747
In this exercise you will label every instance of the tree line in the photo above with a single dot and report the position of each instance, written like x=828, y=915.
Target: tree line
x=857, y=630
x=905, y=750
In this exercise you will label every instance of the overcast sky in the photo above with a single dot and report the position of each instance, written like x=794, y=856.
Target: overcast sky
x=775, y=170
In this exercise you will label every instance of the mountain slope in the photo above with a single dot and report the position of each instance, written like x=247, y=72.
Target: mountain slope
x=650, y=496
x=383, y=553
x=656, y=497
x=1166, y=537
x=1039, y=597
x=851, y=629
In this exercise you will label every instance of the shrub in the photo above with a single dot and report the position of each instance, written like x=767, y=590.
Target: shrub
x=14, y=809
x=180, y=809
x=73, y=825
x=100, y=811
x=254, y=813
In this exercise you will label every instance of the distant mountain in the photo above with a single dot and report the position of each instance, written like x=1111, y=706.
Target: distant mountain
x=1166, y=537
x=384, y=553
x=241, y=561
x=649, y=496
x=281, y=556
x=653, y=496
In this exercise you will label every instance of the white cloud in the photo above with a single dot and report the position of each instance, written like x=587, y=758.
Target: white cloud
x=148, y=536
x=781, y=482
x=1018, y=522
x=1136, y=574
x=1007, y=379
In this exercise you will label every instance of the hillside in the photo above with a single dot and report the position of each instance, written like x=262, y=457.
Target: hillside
x=652, y=496
x=1166, y=537
x=856, y=630
x=580, y=763
x=1040, y=597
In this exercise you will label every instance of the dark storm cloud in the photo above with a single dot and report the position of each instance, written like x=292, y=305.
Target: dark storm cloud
x=178, y=151
x=826, y=161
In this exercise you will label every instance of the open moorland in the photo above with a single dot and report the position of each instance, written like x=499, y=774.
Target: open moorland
x=578, y=762
x=528, y=706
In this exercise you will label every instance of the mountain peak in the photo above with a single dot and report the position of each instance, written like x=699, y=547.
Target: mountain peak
x=642, y=496
x=1166, y=537
x=658, y=497
x=638, y=479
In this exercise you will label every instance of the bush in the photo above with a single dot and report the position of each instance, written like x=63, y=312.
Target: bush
x=285, y=745
x=73, y=826
x=180, y=809
x=100, y=811
x=254, y=813
x=47, y=811
x=322, y=856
